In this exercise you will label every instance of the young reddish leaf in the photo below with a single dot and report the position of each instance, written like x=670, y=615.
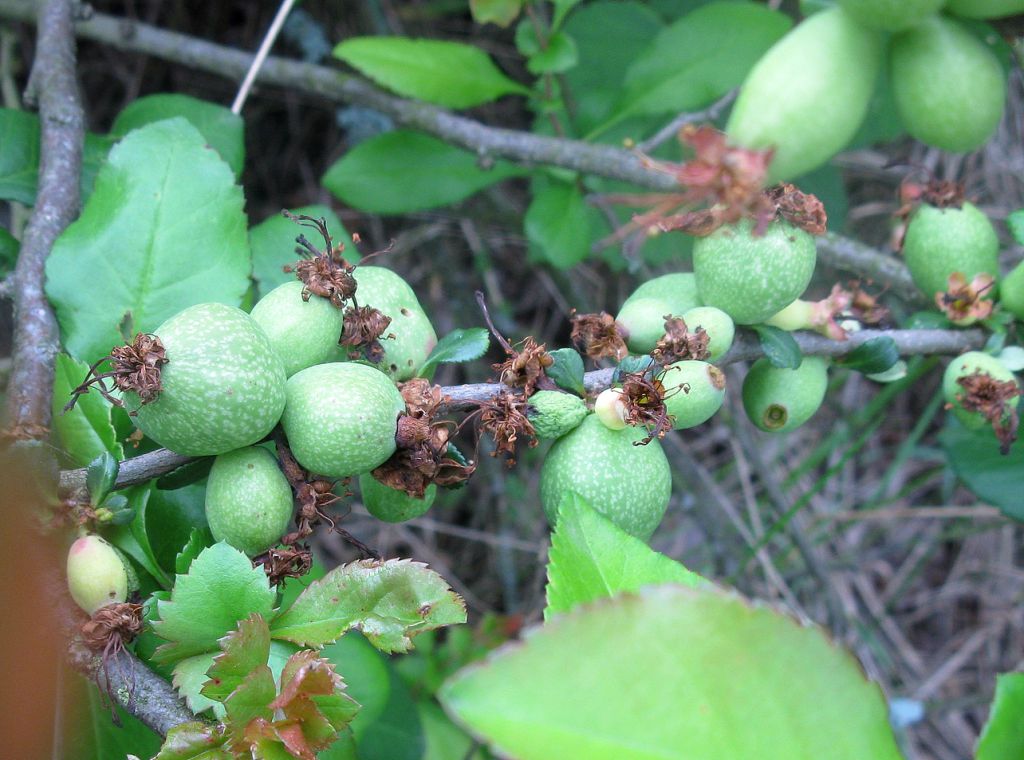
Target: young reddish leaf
x=390, y=602
x=249, y=702
x=195, y=740
x=244, y=650
x=313, y=694
x=220, y=589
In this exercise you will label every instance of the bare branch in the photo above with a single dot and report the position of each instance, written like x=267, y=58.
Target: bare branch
x=36, y=336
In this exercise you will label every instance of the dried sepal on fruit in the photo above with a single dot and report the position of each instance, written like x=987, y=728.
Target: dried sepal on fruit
x=598, y=336
x=505, y=418
x=996, y=401
x=134, y=367
x=324, y=273
x=642, y=397
x=527, y=360
x=364, y=326
x=965, y=303
x=679, y=343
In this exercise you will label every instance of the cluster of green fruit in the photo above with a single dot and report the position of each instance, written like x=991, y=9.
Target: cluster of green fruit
x=809, y=94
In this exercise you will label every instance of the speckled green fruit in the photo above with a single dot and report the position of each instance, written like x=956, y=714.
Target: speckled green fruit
x=1011, y=292
x=96, y=575
x=643, y=314
x=553, y=413
x=779, y=400
x=630, y=485
x=303, y=333
x=939, y=242
x=717, y=324
x=949, y=88
x=694, y=392
x=985, y=8
x=751, y=278
x=248, y=500
x=391, y=505
x=378, y=284
x=966, y=364
x=809, y=93
x=341, y=418
x=222, y=386
x=891, y=15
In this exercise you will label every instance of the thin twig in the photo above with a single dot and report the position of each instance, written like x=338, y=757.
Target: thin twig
x=669, y=131
x=261, y=55
x=36, y=338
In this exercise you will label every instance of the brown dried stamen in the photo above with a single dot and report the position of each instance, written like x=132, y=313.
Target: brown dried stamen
x=643, y=399
x=323, y=273
x=526, y=361
x=289, y=562
x=938, y=193
x=107, y=633
x=504, y=417
x=964, y=302
x=996, y=401
x=800, y=209
x=679, y=343
x=363, y=327
x=598, y=336
x=865, y=307
x=135, y=368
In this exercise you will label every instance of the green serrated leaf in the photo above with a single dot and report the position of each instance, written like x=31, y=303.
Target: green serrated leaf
x=198, y=540
x=402, y=171
x=1002, y=737
x=273, y=245
x=1015, y=223
x=567, y=370
x=195, y=741
x=242, y=651
x=100, y=476
x=189, y=677
x=87, y=430
x=872, y=356
x=389, y=601
x=778, y=346
x=460, y=345
x=220, y=588
x=993, y=477
x=224, y=131
x=592, y=558
x=250, y=700
x=448, y=74
x=673, y=672
x=164, y=230
x=558, y=223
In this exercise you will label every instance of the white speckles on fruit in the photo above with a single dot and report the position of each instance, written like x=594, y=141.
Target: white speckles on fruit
x=248, y=500
x=630, y=485
x=643, y=314
x=694, y=391
x=778, y=400
x=717, y=324
x=554, y=413
x=391, y=505
x=303, y=333
x=222, y=386
x=96, y=575
x=341, y=418
x=939, y=242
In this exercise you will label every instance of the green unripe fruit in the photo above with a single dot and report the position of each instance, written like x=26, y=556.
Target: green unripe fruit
x=971, y=363
x=985, y=8
x=610, y=408
x=553, y=413
x=751, y=278
x=939, y=242
x=1011, y=292
x=341, y=418
x=96, y=575
x=248, y=500
x=890, y=15
x=643, y=314
x=694, y=392
x=303, y=333
x=378, y=285
x=630, y=485
x=390, y=504
x=948, y=87
x=809, y=93
x=778, y=400
x=222, y=385
x=414, y=339
x=717, y=324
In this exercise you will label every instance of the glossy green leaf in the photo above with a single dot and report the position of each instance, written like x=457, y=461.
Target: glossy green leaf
x=559, y=223
x=171, y=516
x=700, y=57
x=163, y=230
x=195, y=741
x=567, y=370
x=100, y=476
x=445, y=740
x=197, y=541
x=448, y=74
x=1015, y=223
x=86, y=431
x=673, y=672
x=592, y=558
x=778, y=346
x=273, y=245
x=974, y=457
x=133, y=539
x=500, y=12
x=19, y=159
x=458, y=346
x=1002, y=738
x=9, y=248
x=186, y=475
x=389, y=601
x=402, y=171
x=633, y=364
x=220, y=588
x=251, y=699
x=559, y=55
x=224, y=131
x=562, y=8
x=872, y=356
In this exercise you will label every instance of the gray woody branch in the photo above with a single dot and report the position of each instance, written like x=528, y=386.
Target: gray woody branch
x=486, y=142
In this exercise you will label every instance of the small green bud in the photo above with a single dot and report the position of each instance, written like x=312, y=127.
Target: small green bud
x=553, y=413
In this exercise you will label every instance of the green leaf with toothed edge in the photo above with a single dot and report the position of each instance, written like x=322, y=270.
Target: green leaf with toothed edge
x=389, y=601
x=673, y=673
x=195, y=741
x=778, y=346
x=460, y=345
x=592, y=558
x=1002, y=738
